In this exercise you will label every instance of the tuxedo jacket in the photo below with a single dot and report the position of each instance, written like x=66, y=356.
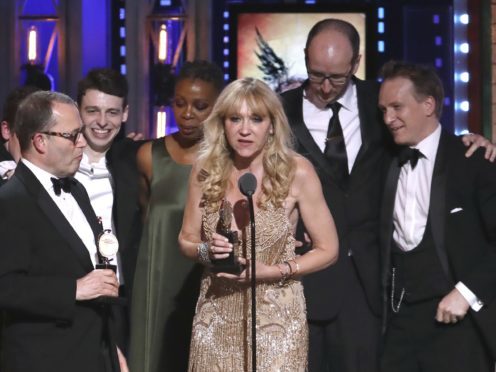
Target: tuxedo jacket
x=355, y=207
x=121, y=163
x=462, y=214
x=45, y=328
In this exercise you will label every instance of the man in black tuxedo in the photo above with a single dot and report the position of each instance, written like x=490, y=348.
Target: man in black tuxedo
x=48, y=287
x=349, y=154
x=108, y=169
x=438, y=236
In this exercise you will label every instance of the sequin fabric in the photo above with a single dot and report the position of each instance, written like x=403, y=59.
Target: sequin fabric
x=221, y=339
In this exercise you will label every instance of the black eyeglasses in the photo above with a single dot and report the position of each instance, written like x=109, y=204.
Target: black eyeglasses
x=71, y=136
x=336, y=80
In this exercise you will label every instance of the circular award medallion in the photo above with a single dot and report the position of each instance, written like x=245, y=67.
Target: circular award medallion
x=108, y=245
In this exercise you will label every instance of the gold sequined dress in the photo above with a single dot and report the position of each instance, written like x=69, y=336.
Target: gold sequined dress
x=221, y=337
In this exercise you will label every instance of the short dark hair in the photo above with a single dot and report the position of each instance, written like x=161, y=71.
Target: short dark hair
x=35, y=114
x=13, y=101
x=346, y=28
x=426, y=81
x=105, y=80
x=202, y=70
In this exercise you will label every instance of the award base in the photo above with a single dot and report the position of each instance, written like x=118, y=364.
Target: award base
x=230, y=264
x=106, y=266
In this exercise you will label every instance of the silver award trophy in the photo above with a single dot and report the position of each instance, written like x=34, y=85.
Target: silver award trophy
x=229, y=264
x=107, y=247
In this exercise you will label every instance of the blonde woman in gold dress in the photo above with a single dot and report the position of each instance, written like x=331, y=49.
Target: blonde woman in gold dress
x=247, y=131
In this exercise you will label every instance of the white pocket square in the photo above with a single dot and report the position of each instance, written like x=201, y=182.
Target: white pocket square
x=456, y=210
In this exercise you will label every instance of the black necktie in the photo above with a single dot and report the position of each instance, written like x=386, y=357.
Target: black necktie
x=409, y=154
x=60, y=184
x=335, y=149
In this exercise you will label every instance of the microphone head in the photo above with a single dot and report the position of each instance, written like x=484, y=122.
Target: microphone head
x=247, y=184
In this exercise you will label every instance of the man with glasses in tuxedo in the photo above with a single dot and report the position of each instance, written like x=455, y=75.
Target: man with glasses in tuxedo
x=48, y=286
x=338, y=127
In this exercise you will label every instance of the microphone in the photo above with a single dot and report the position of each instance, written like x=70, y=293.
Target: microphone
x=247, y=184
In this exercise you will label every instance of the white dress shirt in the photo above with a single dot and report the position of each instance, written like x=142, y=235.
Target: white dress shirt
x=411, y=207
x=97, y=181
x=6, y=167
x=69, y=208
x=317, y=122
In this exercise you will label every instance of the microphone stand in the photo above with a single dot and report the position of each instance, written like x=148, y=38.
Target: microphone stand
x=253, y=287
x=247, y=185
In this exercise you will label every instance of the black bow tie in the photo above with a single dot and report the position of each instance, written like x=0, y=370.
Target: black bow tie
x=60, y=184
x=409, y=154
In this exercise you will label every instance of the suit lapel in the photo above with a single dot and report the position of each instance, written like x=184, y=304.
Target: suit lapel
x=370, y=123
x=79, y=193
x=294, y=110
x=438, y=205
x=386, y=232
x=53, y=213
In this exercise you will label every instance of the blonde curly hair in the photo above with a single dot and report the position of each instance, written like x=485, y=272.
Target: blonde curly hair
x=216, y=155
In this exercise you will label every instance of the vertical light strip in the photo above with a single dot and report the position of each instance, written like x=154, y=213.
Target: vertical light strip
x=122, y=31
x=381, y=45
x=162, y=44
x=161, y=122
x=461, y=76
x=226, y=41
x=32, y=45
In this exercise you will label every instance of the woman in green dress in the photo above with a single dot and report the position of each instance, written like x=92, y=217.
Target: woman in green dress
x=166, y=283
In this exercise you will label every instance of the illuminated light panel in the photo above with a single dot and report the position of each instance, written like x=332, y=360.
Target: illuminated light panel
x=162, y=44
x=32, y=45
x=465, y=106
x=380, y=46
x=465, y=77
x=464, y=19
x=161, y=123
x=380, y=13
x=380, y=27
x=464, y=48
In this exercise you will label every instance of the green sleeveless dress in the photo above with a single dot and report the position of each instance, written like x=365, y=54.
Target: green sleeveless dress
x=166, y=284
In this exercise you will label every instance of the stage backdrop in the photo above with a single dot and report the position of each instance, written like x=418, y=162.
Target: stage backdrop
x=283, y=35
